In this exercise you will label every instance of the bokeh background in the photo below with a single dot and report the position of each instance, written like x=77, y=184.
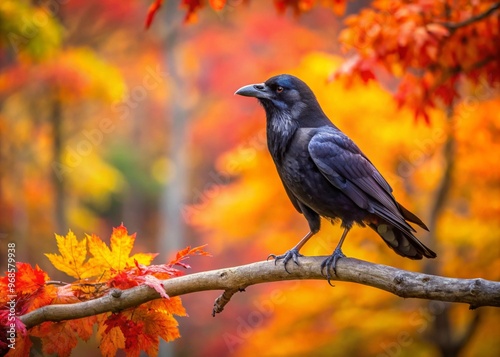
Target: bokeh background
x=104, y=122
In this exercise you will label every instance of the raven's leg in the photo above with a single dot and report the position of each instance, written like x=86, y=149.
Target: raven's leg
x=292, y=254
x=314, y=222
x=331, y=261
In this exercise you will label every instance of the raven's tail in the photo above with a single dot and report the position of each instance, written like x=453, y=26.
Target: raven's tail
x=410, y=217
x=403, y=243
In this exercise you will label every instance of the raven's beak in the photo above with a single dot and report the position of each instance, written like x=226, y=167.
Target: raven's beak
x=254, y=90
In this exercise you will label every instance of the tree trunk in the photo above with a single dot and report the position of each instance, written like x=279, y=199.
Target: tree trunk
x=443, y=334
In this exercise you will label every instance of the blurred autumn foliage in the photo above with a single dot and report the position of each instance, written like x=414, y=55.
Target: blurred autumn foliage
x=102, y=122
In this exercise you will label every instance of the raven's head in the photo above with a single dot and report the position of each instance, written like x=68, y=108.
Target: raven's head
x=287, y=98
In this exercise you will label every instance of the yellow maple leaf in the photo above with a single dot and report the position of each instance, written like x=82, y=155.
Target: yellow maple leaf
x=73, y=256
x=116, y=257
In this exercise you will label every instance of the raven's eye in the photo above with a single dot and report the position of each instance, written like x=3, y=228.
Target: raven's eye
x=279, y=89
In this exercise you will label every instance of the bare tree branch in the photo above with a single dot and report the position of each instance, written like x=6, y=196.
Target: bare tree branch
x=223, y=299
x=452, y=26
x=476, y=292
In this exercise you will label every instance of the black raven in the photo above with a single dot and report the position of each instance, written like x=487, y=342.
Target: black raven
x=325, y=174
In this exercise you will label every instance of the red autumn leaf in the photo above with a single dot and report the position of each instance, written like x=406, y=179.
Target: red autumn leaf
x=356, y=66
x=156, y=284
x=447, y=91
x=162, y=271
x=29, y=289
x=422, y=112
x=13, y=333
x=18, y=324
x=191, y=7
x=153, y=9
x=156, y=320
x=123, y=281
x=131, y=330
x=22, y=341
x=114, y=320
x=29, y=279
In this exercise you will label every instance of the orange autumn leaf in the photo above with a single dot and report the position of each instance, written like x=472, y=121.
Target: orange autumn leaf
x=140, y=329
x=110, y=340
x=173, y=305
x=84, y=328
x=61, y=337
x=185, y=253
x=56, y=338
x=150, y=321
x=158, y=324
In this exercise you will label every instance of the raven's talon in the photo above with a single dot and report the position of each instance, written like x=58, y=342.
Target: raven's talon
x=292, y=254
x=331, y=263
x=275, y=258
x=271, y=256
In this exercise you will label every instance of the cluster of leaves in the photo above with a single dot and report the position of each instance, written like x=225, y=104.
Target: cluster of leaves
x=297, y=6
x=429, y=44
x=98, y=269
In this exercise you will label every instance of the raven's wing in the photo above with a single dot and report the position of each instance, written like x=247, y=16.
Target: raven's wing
x=346, y=168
